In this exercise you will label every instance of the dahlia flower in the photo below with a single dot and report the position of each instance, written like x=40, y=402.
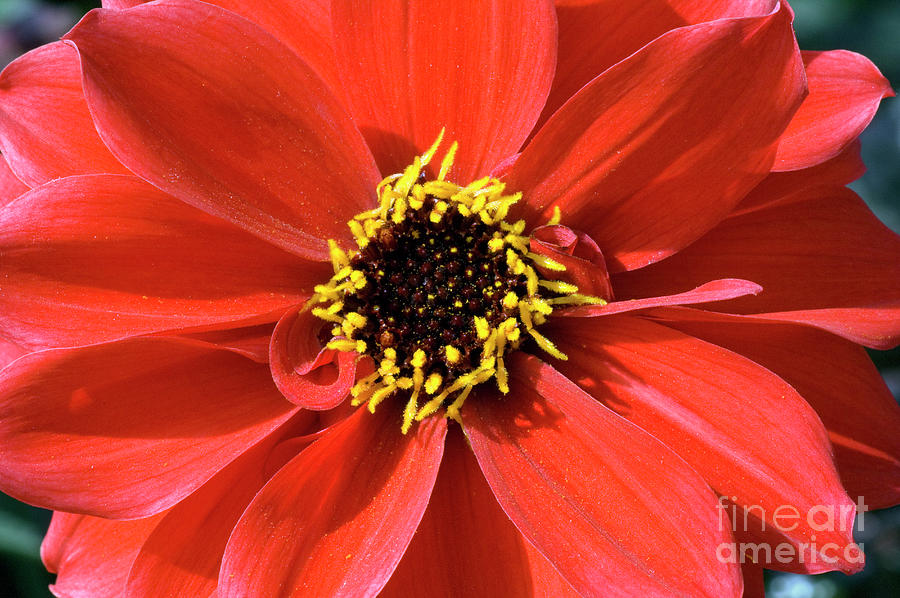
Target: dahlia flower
x=481, y=297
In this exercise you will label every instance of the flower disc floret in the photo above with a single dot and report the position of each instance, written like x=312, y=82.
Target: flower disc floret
x=440, y=289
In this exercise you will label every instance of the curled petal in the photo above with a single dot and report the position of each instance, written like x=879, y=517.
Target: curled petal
x=307, y=373
x=585, y=266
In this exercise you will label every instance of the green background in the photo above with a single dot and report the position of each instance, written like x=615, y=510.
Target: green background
x=870, y=27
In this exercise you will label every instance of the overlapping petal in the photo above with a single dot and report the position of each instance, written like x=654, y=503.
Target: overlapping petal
x=10, y=185
x=254, y=137
x=582, y=485
x=307, y=373
x=465, y=544
x=169, y=563
x=96, y=258
x=128, y=429
x=91, y=556
x=337, y=518
x=746, y=431
x=836, y=377
x=407, y=75
x=596, y=34
x=845, y=90
x=819, y=253
x=658, y=149
x=46, y=131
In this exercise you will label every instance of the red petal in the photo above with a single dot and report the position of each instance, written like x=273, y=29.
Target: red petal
x=746, y=431
x=585, y=266
x=480, y=68
x=716, y=290
x=183, y=554
x=583, y=485
x=596, y=34
x=9, y=352
x=337, y=518
x=128, y=429
x=304, y=27
x=250, y=341
x=658, y=149
x=839, y=171
x=465, y=544
x=92, y=556
x=95, y=258
x=836, y=377
x=46, y=131
x=306, y=373
x=754, y=583
x=253, y=136
x=820, y=255
x=844, y=92
x=10, y=185
x=121, y=4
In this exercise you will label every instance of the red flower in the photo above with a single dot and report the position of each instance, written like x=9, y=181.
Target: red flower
x=184, y=169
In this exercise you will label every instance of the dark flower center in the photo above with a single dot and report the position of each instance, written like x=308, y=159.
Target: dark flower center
x=440, y=289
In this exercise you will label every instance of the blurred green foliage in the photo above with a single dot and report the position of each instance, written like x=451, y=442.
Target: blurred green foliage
x=869, y=27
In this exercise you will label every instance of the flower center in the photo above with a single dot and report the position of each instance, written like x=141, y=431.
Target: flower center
x=440, y=289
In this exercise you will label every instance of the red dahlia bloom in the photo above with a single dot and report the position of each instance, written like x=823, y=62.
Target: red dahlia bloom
x=580, y=372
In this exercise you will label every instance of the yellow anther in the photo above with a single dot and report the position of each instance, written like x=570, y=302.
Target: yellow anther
x=323, y=314
x=482, y=328
x=453, y=409
x=452, y=353
x=531, y=281
x=409, y=413
x=390, y=353
x=399, y=210
x=577, y=300
x=545, y=262
x=341, y=344
x=380, y=395
x=358, y=233
x=540, y=306
x=418, y=360
x=502, y=376
x=447, y=162
x=339, y=259
x=556, y=217
x=429, y=154
x=496, y=244
x=356, y=320
x=510, y=300
x=433, y=383
x=545, y=344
